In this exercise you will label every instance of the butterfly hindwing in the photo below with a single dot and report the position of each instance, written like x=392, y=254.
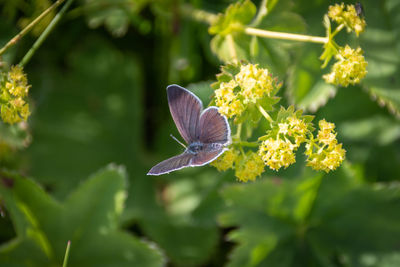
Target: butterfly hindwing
x=209, y=153
x=185, y=109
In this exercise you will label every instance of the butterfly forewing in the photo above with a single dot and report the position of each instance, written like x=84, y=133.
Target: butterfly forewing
x=213, y=127
x=172, y=164
x=185, y=108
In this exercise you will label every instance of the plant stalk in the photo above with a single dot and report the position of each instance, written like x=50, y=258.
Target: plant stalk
x=264, y=113
x=232, y=49
x=65, y=262
x=45, y=33
x=285, y=36
x=25, y=30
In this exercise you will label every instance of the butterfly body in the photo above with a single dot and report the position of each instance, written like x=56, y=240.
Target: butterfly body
x=206, y=132
x=195, y=147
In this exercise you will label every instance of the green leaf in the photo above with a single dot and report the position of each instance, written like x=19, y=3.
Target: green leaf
x=89, y=218
x=235, y=17
x=308, y=220
x=380, y=43
x=83, y=123
x=305, y=87
x=378, y=129
x=187, y=231
x=269, y=53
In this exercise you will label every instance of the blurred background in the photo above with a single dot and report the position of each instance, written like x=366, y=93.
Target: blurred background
x=98, y=97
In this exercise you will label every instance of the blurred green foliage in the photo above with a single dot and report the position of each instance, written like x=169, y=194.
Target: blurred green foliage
x=98, y=96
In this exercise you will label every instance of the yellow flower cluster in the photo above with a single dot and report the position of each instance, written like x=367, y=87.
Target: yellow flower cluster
x=277, y=153
x=226, y=160
x=14, y=90
x=349, y=69
x=297, y=129
x=254, y=82
x=227, y=101
x=248, y=167
x=347, y=15
x=325, y=153
x=247, y=87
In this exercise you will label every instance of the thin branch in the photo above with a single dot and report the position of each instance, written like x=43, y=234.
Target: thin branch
x=264, y=113
x=24, y=31
x=45, y=33
x=285, y=36
x=232, y=48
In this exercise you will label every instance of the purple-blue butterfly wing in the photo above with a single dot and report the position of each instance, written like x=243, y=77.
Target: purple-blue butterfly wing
x=214, y=133
x=213, y=127
x=209, y=153
x=172, y=164
x=185, y=109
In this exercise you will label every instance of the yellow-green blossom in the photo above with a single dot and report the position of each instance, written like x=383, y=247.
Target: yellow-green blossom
x=324, y=153
x=277, y=153
x=326, y=159
x=226, y=160
x=297, y=129
x=254, y=82
x=227, y=101
x=349, y=69
x=326, y=134
x=347, y=15
x=14, y=90
x=248, y=167
x=245, y=88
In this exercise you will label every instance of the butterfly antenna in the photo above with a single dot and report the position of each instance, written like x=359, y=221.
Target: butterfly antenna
x=179, y=142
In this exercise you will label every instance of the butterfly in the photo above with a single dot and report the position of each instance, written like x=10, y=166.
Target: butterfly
x=206, y=132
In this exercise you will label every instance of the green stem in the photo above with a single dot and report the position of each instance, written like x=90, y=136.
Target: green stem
x=262, y=11
x=337, y=30
x=264, y=113
x=25, y=30
x=247, y=144
x=242, y=151
x=45, y=33
x=285, y=36
x=209, y=18
x=231, y=47
x=65, y=263
x=198, y=14
x=238, y=131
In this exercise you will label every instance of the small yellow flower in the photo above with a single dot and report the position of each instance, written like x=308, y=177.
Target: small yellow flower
x=326, y=134
x=326, y=159
x=227, y=101
x=349, y=69
x=236, y=92
x=248, y=167
x=297, y=129
x=336, y=12
x=283, y=128
x=226, y=160
x=13, y=92
x=254, y=82
x=347, y=16
x=324, y=153
x=277, y=153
